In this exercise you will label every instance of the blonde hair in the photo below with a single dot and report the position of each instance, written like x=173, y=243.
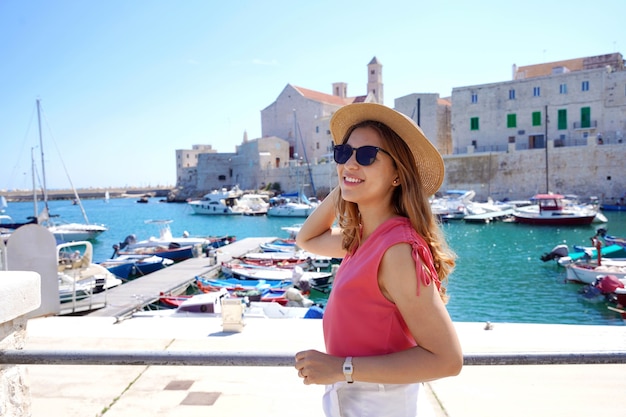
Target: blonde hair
x=408, y=200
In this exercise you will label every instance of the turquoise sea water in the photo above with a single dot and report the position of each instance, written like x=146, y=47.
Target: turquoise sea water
x=499, y=276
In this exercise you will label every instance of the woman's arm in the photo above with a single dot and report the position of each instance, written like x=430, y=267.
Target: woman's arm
x=438, y=353
x=317, y=234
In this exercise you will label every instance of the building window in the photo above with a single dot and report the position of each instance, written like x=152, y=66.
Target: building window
x=585, y=86
x=474, y=98
x=585, y=117
x=536, y=91
x=563, y=89
x=317, y=129
x=562, y=119
x=512, y=94
x=474, y=123
x=511, y=120
x=536, y=118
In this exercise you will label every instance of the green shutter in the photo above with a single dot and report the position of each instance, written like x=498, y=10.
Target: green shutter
x=474, y=123
x=562, y=122
x=511, y=120
x=536, y=118
x=585, y=117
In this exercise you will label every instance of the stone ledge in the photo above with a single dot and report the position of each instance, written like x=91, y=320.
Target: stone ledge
x=21, y=293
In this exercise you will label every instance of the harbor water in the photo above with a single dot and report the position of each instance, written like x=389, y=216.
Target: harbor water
x=499, y=276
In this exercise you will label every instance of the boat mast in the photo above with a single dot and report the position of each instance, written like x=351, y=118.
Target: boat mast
x=43, y=166
x=32, y=171
x=306, y=159
x=546, y=144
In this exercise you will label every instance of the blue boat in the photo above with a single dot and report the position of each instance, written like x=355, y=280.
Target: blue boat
x=233, y=284
x=133, y=266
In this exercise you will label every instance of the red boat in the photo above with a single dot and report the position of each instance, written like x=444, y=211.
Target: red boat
x=551, y=210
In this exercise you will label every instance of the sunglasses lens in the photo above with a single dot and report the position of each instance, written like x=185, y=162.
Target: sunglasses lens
x=366, y=155
x=342, y=153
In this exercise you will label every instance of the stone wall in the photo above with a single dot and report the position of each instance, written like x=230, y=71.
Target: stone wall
x=591, y=170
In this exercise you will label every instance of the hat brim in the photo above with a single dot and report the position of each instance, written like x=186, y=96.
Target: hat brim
x=427, y=159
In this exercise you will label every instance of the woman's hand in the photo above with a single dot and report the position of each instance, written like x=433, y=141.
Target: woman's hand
x=315, y=367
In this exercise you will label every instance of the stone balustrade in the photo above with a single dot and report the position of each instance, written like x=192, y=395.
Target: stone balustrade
x=21, y=294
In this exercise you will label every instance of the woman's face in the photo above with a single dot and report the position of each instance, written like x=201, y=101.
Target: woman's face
x=371, y=184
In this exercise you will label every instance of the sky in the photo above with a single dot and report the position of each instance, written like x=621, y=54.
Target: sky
x=123, y=84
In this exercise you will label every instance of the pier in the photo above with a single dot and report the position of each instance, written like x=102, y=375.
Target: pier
x=137, y=293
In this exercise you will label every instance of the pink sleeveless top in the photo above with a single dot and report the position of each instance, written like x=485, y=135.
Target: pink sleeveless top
x=358, y=319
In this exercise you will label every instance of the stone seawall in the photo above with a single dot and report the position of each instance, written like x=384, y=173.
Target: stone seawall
x=87, y=194
x=591, y=170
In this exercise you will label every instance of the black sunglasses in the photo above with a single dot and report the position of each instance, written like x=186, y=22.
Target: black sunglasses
x=365, y=155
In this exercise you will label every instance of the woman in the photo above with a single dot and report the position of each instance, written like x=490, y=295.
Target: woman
x=386, y=328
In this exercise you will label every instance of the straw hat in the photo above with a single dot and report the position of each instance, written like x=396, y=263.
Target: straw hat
x=427, y=159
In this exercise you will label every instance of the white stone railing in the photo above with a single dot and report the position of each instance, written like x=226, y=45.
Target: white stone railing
x=21, y=294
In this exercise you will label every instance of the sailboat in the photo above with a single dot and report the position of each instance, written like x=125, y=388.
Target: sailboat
x=62, y=231
x=295, y=204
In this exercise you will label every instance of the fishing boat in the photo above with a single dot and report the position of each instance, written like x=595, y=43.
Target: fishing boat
x=588, y=272
x=550, y=210
x=234, y=284
x=166, y=245
x=133, y=266
x=297, y=275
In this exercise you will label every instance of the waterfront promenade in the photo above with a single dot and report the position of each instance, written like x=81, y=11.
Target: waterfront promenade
x=262, y=391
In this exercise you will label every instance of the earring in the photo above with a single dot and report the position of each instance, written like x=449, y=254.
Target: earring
x=395, y=182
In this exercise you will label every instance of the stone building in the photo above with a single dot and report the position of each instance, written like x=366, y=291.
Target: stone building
x=187, y=165
x=301, y=116
x=295, y=130
x=432, y=114
x=575, y=104
x=564, y=101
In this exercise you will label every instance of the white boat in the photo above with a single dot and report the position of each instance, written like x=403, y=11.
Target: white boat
x=78, y=275
x=588, y=272
x=552, y=210
x=165, y=245
x=70, y=232
x=452, y=205
x=210, y=304
x=229, y=202
x=253, y=204
x=62, y=231
x=295, y=275
x=297, y=205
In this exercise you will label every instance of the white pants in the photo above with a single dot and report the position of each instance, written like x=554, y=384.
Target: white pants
x=363, y=399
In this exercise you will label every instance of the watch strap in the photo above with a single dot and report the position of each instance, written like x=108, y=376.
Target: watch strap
x=348, y=369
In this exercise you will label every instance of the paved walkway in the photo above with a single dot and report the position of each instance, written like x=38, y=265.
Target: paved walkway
x=181, y=391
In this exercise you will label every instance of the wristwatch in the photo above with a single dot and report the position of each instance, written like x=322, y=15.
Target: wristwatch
x=347, y=369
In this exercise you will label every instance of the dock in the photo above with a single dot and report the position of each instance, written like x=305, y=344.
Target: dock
x=134, y=295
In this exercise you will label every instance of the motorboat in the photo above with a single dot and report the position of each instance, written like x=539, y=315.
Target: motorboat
x=452, y=205
x=229, y=202
x=166, y=245
x=79, y=277
x=550, y=209
x=133, y=266
x=296, y=205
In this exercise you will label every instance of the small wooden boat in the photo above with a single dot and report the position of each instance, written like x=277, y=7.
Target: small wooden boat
x=234, y=284
x=277, y=274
